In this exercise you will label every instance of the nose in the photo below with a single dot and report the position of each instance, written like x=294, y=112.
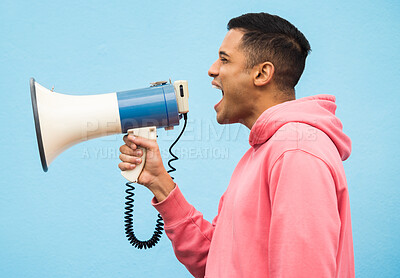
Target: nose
x=213, y=71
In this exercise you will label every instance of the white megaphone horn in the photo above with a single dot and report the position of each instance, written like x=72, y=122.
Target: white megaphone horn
x=62, y=121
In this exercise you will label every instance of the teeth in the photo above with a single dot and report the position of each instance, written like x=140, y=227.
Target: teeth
x=218, y=88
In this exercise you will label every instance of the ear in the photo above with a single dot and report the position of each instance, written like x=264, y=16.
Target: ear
x=263, y=73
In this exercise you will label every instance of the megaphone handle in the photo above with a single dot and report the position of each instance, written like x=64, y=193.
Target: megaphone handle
x=146, y=132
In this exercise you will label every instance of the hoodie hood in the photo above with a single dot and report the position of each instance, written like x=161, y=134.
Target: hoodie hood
x=317, y=111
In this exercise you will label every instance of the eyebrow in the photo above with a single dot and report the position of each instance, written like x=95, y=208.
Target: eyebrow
x=223, y=53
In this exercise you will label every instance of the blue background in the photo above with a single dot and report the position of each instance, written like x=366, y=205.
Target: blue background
x=69, y=222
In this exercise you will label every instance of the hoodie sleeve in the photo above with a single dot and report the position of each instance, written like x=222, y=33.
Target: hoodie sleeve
x=188, y=231
x=305, y=223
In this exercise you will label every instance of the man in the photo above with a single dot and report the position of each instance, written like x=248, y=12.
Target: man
x=286, y=210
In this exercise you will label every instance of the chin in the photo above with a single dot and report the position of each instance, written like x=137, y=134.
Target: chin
x=224, y=120
x=220, y=120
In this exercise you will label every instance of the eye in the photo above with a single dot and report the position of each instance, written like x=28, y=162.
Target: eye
x=223, y=60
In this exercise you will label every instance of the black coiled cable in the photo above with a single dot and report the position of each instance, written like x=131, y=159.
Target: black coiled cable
x=174, y=157
x=130, y=234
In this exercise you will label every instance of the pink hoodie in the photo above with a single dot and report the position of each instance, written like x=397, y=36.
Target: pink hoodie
x=286, y=212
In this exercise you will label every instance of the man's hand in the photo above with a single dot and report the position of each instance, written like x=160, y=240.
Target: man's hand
x=154, y=176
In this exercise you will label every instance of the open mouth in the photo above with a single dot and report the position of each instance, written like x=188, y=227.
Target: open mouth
x=218, y=88
x=222, y=91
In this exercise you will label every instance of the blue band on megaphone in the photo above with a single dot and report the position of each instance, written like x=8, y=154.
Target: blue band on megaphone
x=153, y=106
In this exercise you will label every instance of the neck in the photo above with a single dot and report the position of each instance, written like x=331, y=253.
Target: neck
x=264, y=102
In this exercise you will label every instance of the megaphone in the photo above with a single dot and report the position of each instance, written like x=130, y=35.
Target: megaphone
x=62, y=120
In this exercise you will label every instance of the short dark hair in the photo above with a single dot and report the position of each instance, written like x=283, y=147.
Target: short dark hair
x=271, y=38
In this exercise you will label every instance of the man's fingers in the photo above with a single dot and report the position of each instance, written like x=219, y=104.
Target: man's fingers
x=134, y=141
x=128, y=139
x=142, y=142
x=125, y=138
x=128, y=151
x=131, y=154
x=130, y=159
x=124, y=166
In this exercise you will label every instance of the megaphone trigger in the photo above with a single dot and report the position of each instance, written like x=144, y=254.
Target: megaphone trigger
x=145, y=132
